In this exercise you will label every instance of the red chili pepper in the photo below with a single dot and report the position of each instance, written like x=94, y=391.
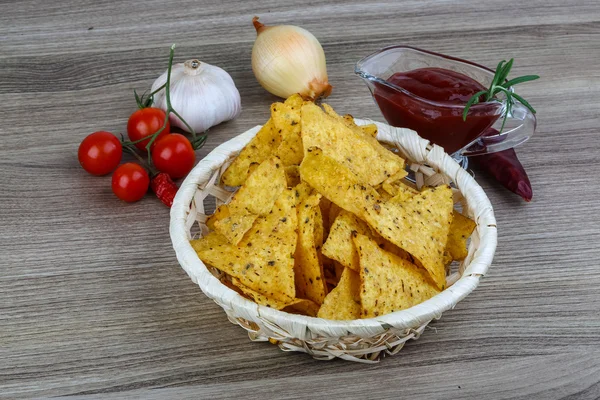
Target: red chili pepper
x=164, y=187
x=506, y=168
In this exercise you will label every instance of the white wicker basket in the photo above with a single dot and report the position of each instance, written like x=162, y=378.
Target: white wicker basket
x=364, y=340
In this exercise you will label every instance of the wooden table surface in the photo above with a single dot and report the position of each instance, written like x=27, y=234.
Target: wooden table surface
x=92, y=301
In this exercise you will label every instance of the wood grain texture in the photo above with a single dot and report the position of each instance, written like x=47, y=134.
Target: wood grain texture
x=92, y=301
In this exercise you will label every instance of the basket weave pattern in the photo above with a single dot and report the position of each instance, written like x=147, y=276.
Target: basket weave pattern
x=365, y=340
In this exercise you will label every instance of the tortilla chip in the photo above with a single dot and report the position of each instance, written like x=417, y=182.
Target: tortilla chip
x=343, y=303
x=397, y=187
x=260, y=148
x=292, y=175
x=220, y=213
x=383, y=194
x=461, y=228
x=340, y=247
x=334, y=211
x=369, y=129
x=294, y=306
x=325, y=205
x=225, y=281
x=419, y=225
x=260, y=298
x=252, y=168
x=264, y=259
x=286, y=120
x=255, y=198
x=396, y=177
x=309, y=274
x=336, y=182
x=360, y=153
x=303, y=307
x=302, y=191
x=389, y=283
x=212, y=239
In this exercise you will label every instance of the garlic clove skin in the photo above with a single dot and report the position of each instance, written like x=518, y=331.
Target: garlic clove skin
x=203, y=94
x=287, y=59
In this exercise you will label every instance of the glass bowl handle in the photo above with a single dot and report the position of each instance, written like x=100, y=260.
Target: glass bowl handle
x=520, y=126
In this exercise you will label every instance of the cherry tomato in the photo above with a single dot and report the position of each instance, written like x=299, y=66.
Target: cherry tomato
x=100, y=152
x=130, y=182
x=145, y=122
x=174, y=155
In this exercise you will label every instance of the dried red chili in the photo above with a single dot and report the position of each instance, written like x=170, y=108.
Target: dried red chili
x=164, y=187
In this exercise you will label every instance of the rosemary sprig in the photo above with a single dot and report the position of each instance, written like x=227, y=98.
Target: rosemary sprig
x=501, y=85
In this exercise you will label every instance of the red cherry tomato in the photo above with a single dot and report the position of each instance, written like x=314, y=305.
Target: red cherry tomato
x=174, y=155
x=145, y=122
x=130, y=182
x=100, y=152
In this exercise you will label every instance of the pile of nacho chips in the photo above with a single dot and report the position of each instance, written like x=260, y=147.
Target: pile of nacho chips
x=324, y=223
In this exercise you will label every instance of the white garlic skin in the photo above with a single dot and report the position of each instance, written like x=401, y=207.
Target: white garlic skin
x=203, y=94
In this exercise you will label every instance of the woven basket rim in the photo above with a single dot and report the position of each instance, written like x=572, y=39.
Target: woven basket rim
x=419, y=150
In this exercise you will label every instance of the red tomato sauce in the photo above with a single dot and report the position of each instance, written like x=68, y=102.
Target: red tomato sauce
x=431, y=102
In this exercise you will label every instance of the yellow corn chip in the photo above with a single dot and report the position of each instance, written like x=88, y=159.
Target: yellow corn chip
x=260, y=148
x=292, y=175
x=419, y=225
x=260, y=298
x=336, y=182
x=220, y=213
x=212, y=239
x=398, y=188
x=264, y=259
x=310, y=277
x=460, y=230
x=334, y=211
x=343, y=302
x=383, y=194
x=359, y=152
x=325, y=205
x=340, y=247
x=396, y=177
x=389, y=283
x=302, y=191
x=369, y=129
x=286, y=120
x=253, y=199
x=302, y=306
x=252, y=168
x=294, y=306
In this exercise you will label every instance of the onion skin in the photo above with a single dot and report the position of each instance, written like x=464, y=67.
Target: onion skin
x=287, y=59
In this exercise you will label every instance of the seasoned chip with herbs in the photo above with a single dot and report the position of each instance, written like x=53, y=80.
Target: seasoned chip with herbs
x=389, y=283
x=343, y=302
x=339, y=245
x=264, y=259
x=259, y=149
x=303, y=307
x=419, y=225
x=286, y=121
x=460, y=230
x=309, y=274
x=255, y=198
x=336, y=182
x=359, y=152
x=292, y=175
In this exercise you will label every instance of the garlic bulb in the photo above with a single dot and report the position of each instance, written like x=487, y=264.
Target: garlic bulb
x=287, y=59
x=203, y=94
